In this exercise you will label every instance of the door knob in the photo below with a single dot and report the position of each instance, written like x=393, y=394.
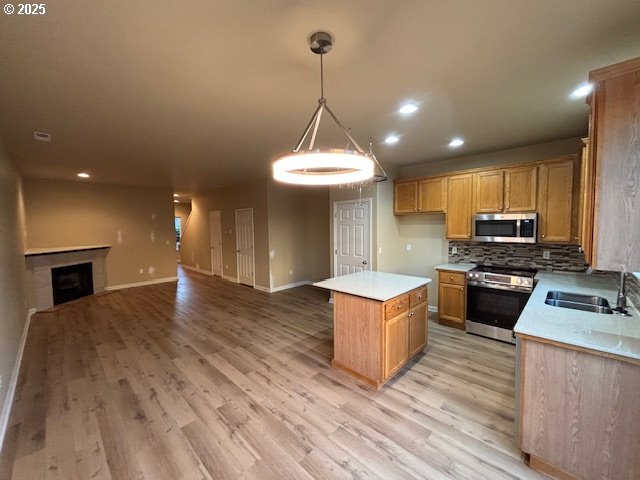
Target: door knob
x=364, y=262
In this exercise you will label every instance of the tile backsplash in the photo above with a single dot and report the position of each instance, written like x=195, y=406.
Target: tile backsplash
x=561, y=257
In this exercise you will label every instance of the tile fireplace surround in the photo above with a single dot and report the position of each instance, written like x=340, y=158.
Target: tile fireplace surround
x=40, y=261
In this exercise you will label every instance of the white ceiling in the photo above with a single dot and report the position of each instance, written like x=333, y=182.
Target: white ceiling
x=197, y=94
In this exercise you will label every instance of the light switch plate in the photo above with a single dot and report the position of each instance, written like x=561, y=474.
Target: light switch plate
x=408, y=247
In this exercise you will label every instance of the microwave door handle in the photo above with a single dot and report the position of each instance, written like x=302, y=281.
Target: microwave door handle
x=518, y=228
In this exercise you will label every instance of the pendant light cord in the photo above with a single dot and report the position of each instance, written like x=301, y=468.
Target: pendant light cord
x=321, y=76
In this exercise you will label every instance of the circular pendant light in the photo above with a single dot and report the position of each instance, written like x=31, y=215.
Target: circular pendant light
x=333, y=166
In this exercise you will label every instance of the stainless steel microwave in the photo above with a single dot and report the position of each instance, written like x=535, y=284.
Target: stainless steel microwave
x=505, y=227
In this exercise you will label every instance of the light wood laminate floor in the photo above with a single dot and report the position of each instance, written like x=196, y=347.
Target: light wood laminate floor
x=209, y=379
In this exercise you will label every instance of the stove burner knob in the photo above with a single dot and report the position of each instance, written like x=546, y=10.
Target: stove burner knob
x=471, y=275
x=526, y=282
x=477, y=275
x=519, y=281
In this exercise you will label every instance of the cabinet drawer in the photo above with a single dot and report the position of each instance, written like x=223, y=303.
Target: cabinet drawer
x=419, y=295
x=456, y=278
x=396, y=306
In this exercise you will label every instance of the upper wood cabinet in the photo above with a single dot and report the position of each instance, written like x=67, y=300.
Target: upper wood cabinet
x=556, y=192
x=459, y=188
x=585, y=216
x=505, y=190
x=420, y=196
x=432, y=195
x=615, y=158
x=405, y=197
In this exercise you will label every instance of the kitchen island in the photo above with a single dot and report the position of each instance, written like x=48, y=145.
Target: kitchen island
x=578, y=379
x=379, y=323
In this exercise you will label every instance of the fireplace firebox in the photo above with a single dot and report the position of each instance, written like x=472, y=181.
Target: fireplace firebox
x=71, y=282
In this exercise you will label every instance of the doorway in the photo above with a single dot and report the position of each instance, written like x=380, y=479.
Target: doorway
x=215, y=242
x=244, y=246
x=351, y=236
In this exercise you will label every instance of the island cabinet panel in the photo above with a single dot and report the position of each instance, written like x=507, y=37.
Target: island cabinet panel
x=373, y=339
x=579, y=413
x=357, y=332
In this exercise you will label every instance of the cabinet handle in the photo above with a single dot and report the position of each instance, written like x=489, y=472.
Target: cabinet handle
x=507, y=208
x=542, y=235
x=419, y=295
x=399, y=306
x=451, y=278
x=501, y=207
x=461, y=289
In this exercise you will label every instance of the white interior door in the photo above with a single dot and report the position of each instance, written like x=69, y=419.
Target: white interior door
x=215, y=242
x=352, y=236
x=244, y=246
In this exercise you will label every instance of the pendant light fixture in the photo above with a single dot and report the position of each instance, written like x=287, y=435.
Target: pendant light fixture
x=335, y=166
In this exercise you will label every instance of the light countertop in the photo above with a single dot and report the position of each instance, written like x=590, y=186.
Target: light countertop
x=456, y=267
x=375, y=285
x=601, y=332
x=49, y=251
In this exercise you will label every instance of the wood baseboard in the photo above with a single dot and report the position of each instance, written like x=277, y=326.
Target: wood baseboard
x=540, y=465
x=373, y=383
x=449, y=323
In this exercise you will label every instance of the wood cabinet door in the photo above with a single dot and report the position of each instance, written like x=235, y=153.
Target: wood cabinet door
x=520, y=189
x=432, y=195
x=451, y=303
x=396, y=343
x=616, y=150
x=488, y=191
x=459, y=206
x=417, y=328
x=405, y=198
x=556, y=201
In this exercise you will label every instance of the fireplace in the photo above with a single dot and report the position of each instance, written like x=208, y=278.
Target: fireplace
x=71, y=282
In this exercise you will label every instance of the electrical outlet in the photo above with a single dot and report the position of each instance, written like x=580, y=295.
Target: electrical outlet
x=290, y=272
x=546, y=254
x=454, y=250
x=380, y=251
x=408, y=247
x=141, y=270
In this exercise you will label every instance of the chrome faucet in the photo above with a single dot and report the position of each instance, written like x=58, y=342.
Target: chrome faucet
x=621, y=303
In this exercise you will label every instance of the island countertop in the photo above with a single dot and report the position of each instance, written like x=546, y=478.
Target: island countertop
x=611, y=334
x=379, y=286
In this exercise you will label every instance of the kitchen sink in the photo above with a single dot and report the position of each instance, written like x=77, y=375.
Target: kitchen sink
x=577, y=301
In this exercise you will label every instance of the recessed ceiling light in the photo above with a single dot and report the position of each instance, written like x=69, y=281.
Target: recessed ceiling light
x=83, y=175
x=391, y=139
x=456, y=142
x=176, y=201
x=176, y=195
x=408, y=108
x=582, y=91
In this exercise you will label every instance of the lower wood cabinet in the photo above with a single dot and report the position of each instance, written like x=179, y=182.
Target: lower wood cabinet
x=452, y=298
x=373, y=340
x=396, y=340
x=578, y=411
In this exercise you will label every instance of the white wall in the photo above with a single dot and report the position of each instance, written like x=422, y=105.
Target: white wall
x=13, y=303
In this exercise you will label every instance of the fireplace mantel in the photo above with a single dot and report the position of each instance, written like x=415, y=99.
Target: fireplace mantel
x=52, y=250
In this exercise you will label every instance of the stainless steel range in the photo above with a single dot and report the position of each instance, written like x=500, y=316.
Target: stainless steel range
x=496, y=297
